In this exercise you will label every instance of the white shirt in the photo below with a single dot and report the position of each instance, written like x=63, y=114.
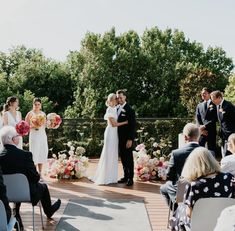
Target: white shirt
x=228, y=164
x=120, y=107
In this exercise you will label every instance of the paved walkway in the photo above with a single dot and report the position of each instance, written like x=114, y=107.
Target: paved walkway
x=66, y=190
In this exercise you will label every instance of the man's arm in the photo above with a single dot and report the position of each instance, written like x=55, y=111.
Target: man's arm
x=198, y=116
x=171, y=171
x=131, y=124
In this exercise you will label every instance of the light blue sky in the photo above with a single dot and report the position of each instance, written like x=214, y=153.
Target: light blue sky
x=57, y=26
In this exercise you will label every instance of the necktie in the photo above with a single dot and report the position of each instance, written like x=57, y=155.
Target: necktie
x=219, y=113
x=205, y=106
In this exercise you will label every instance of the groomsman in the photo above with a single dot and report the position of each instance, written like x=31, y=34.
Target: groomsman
x=226, y=117
x=206, y=117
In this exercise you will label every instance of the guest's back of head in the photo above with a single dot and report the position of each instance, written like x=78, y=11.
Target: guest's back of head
x=7, y=135
x=191, y=132
x=200, y=163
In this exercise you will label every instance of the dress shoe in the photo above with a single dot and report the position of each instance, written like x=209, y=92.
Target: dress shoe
x=122, y=180
x=19, y=220
x=129, y=182
x=54, y=208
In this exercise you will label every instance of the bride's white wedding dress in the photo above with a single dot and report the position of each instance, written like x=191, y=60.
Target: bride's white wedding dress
x=107, y=170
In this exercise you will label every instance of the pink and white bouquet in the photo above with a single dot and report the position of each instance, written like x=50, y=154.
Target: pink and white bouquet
x=71, y=166
x=53, y=121
x=147, y=168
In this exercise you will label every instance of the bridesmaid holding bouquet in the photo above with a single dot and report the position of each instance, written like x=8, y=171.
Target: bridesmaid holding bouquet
x=11, y=116
x=38, y=144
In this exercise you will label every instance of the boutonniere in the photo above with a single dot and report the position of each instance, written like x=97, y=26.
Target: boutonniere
x=123, y=110
x=221, y=110
x=211, y=107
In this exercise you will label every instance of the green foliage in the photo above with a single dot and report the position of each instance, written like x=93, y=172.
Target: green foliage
x=150, y=67
x=191, y=86
x=28, y=70
x=230, y=89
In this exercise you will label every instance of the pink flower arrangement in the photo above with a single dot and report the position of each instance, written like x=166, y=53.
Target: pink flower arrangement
x=53, y=121
x=147, y=168
x=22, y=128
x=72, y=166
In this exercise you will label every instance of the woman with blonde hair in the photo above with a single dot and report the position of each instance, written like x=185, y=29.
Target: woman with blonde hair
x=107, y=170
x=205, y=178
x=228, y=162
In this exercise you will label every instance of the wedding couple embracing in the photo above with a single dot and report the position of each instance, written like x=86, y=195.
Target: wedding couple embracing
x=118, y=139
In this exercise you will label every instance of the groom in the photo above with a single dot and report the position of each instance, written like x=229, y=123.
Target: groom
x=126, y=135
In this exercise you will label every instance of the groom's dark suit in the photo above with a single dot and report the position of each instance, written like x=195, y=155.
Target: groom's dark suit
x=207, y=116
x=126, y=132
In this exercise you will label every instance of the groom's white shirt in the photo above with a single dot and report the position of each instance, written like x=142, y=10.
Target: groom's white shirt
x=120, y=107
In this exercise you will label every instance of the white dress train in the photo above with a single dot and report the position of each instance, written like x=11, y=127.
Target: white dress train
x=107, y=169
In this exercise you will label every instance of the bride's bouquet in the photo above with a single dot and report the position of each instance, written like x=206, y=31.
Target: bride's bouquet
x=37, y=121
x=53, y=121
x=22, y=128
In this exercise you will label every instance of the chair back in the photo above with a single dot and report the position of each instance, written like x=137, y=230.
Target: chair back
x=17, y=187
x=206, y=212
x=180, y=190
x=3, y=217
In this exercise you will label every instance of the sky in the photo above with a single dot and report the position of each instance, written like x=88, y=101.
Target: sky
x=58, y=26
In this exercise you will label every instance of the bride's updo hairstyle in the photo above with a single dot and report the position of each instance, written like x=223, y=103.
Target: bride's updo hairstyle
x=109, y=99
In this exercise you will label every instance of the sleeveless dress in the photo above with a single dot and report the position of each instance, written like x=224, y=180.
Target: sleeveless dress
x=107, y=170
x=12, y=121
x=38, y=143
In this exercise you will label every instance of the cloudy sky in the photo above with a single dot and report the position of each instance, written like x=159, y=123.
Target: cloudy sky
x=57, y=26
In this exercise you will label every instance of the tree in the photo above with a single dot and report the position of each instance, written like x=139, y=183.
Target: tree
x=229, y=93
x=150, y=67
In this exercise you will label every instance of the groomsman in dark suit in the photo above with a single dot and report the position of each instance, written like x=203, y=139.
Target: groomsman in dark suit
x=177, y=160
x=226, y=118
x=126, y=136
x=206, y=117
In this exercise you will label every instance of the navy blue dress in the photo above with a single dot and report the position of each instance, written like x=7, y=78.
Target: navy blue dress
x=220, y=185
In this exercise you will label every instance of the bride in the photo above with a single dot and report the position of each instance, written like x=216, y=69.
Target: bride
x=107, y=170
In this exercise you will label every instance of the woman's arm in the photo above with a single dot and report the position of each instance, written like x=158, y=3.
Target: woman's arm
x=114, y=123
x=189, y=211
x=5, y=119
x=28, y=117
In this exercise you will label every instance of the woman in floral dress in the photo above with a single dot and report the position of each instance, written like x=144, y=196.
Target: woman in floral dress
x=202, y=171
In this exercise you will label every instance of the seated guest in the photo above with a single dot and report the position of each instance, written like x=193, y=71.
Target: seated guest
x=202, y=171
x=228, y=162
x=3, y=197
x=15, y=160
x=177, y=160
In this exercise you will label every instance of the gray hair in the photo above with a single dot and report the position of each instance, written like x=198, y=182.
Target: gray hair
x=7, y=133
x=191, y=130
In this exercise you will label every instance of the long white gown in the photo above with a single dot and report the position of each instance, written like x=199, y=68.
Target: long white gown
x=107, y=170
x=12, y=121
x=38, y=144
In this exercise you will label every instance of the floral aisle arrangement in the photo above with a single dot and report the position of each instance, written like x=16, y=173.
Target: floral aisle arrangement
x=151, y=158
x=71, y=164
x=53, y=121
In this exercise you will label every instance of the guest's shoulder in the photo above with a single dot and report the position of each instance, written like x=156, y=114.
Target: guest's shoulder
x=228, y=158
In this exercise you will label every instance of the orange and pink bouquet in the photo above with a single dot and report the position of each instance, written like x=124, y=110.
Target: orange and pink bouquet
x=37, y=121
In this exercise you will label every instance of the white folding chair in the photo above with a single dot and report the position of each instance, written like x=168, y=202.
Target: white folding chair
x=206, y=212
x=3, y=220
x=179, y=198
x=17, y=187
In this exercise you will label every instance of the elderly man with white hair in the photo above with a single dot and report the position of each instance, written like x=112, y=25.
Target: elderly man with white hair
x=14, y=160
x=177, y=160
